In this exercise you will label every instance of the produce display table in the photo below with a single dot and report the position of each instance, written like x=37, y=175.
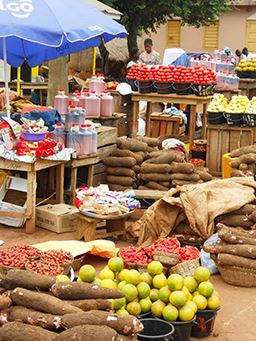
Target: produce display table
x=222, y=139
x=31, y=169
x=248, y=87
x=197, y=104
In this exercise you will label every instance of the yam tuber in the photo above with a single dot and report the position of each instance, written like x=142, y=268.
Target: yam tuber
x=186, y=168
x=139, y=156
x=157, y=186
x=122, y=153
x=114, y=187
x=243, y=167
x=5, y=302
x=182, y=182
x=232, y=236
x=2, y=290
x=247, y=159
x=120, y=171
x=132, y=144
x=113, y=161
x=157, y=177
x=153, y=168
x=167, y=157
x=92, y=304
x=232, y=219
x=185, y=177
x=18, y=331
x=30, y=280
x=232, y=260
x=88, y=333
x=78, y=291
x=123, y=325
x=245, y=210
x=120, y=180
x=205, y=176
x=244, y=250
x=42, y=302
x=137, y=169
x=244, y=150
x=252, y=216
x=35, y=318
x=150, y=141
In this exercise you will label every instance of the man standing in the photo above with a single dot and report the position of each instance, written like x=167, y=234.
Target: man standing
x=149, y=57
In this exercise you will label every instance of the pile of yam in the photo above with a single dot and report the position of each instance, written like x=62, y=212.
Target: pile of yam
x=39, y=307
x=243, y=161
x=235, y=248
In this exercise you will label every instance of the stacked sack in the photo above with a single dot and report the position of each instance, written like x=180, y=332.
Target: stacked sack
x=244, y=161
x=124, y=163
x=155, y=172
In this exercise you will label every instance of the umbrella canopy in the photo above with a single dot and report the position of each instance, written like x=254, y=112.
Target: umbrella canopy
x=41, y=30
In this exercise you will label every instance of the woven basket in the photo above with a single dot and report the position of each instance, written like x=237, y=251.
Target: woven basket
x=186, y=268
x=235, y=275
x=166, y=258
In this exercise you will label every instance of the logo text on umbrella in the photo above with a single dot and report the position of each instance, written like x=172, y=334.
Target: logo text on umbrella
x=19, y=9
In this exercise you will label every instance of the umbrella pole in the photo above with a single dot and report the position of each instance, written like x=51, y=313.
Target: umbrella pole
x=8, y=111
x=94, y=61
x=18, y=80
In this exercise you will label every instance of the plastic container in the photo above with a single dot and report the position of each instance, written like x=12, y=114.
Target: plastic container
x=107, y=105
x=86, y=140
x=83, y=99
x=33, y=137
x=216, y=118
x=235, y=120
x=203, y=89
x=182, y=330
x=75, y=100
x=81, y=115
x=94, y=140
x=93, y=105
x=163, y=88
x=182, y=88
x=156, y=330
x=61, y=103
x=97, y=85
x=144, y=87
x=204, y=323
x=59, y=134
x=249, y=120
x=75, y=139
x=132, y=83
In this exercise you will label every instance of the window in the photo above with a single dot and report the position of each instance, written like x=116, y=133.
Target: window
x=251, y=35
x=173, y=33
x=211, y=36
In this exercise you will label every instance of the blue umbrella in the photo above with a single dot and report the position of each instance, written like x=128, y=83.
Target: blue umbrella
x=41, y=30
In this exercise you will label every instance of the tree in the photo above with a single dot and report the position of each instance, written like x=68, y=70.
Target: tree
x=149, y=14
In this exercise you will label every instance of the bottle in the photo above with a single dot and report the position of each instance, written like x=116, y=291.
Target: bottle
x=97, y=84
x=93, y=105
x=107, y=104
x=102, y=84
x=61, y=103
x=74, y=139
x=72, y=117
x=83, y=98
x=86, y=139
x=93, y=149
x=75, y=99
x=59, y=134
x=81, y=114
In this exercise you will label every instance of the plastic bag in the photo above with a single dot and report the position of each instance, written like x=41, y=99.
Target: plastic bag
x=205, y=257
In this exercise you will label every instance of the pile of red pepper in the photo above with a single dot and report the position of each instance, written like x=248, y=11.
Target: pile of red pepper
x=169, y=245
x=197, y=162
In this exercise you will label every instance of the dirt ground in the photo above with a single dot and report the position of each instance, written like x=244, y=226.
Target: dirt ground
x=236, y=320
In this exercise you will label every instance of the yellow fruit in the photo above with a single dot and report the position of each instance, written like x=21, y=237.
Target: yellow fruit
x=200, y=301
x=79, y=280
x=133, y=308
x=201, y=274
x=178, y=298
x=145, y=305
x=192, y=305
x=190, y=283
x=159, y=281
x=133, y=277
x=118, y=303
x=175, y=282
x=62, y=278
x=130, y=292
x=106, y=273
x=157, y=308
x=121, y=285
x=97, y=281
x=115, y=264
x=153, y=295
x=213, y=302
x=155, y=268
x=87, y=273
x=164, y=294
x=108, y=283
x=122, y=312
x=123, y=275
x=170, y=313
x=145, y=277
x=205, y=289
x=187, y=293
x=186, y=313
x=143, y=290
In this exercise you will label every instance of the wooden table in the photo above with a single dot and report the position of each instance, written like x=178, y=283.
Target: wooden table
x=197, y=104
x=248, y=87
x=31, y=169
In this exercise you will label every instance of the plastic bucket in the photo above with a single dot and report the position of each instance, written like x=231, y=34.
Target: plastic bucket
x=249, y=120
x=182, y=88
x=235, y=120
x=132, y=83
x=144, y=87
x=182, y=329
x=216, y=118
x=156, y=330
x=145, y=315
x=198, y=154
x=203, y=89
x=33, y=137
x=163, y=88
x=204, y=323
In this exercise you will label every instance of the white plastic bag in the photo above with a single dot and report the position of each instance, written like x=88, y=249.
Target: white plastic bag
x=205, y=256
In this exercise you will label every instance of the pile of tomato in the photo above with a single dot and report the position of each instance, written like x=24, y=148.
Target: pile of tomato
x=179, y=74
x=169, y=245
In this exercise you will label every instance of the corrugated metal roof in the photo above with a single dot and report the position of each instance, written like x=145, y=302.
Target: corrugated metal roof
x=104, y=8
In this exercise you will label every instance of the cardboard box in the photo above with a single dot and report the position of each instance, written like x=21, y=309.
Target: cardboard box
x=58, y=218
x=13, y=199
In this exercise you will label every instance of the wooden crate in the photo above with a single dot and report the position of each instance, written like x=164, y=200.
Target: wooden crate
x=118, y=121
x=222, y=139
x=164, y=125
